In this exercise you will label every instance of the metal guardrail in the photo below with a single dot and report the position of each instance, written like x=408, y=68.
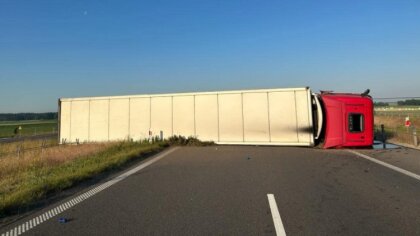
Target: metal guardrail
x=28, y=137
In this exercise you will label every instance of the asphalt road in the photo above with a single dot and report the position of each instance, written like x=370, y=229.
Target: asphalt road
x=223, y=191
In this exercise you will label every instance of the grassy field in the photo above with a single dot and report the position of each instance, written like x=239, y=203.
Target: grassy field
x=28, y=127
x=395, y=128
x=35, y=174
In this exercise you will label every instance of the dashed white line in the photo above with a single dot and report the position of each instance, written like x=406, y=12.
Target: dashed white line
x=278, y=224
x=398, y=169
x=18, y=230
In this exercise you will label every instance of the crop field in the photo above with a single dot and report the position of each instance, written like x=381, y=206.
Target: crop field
x=7, y=128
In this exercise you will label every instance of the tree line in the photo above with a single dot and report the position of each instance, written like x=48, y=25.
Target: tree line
x=28, y=116
x=410, y=102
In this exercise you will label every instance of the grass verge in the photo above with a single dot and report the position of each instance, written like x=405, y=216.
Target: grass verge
x=26, y=180
x=24, y=145
x=395, y=130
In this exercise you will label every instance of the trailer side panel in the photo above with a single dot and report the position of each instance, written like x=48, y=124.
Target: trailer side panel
x=257, y=117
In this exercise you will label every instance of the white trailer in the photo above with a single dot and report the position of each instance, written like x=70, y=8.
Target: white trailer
x=250, y=117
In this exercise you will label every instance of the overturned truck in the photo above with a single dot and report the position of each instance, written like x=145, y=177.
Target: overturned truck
x=287, y=117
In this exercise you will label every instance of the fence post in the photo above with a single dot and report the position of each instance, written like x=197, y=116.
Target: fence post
x=43, y=145
x=415, y=136
x=383, y=136
x=19, y=149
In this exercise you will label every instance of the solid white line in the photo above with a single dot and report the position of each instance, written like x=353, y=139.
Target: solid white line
x=57, y=210
x=402, y=171
x=278, y=224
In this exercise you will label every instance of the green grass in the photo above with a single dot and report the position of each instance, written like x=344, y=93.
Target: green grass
x=38, y=180
x=28, y=127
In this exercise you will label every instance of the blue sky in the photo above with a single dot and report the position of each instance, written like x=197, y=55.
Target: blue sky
x=52, y=49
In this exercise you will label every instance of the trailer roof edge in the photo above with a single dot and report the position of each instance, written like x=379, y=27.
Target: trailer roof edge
x=183, y=94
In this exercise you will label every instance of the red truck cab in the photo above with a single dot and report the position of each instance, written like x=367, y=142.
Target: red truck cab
x=348, y=120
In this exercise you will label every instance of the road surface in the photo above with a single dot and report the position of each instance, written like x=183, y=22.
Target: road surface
x=223, y=190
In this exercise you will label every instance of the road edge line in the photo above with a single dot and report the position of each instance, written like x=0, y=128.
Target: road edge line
x=278, y=224
x=25, y=226
x=395, y=168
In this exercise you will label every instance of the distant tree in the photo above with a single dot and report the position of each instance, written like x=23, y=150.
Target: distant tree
x=381, y=104
x=410, y=102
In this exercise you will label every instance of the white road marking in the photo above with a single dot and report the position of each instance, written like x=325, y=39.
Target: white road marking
x=57, y=210
x=278, y=224
x=402, y=171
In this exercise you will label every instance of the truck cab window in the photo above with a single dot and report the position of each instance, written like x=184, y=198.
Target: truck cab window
x=356, y=123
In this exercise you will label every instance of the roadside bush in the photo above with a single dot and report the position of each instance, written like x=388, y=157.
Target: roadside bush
x=179, y=140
